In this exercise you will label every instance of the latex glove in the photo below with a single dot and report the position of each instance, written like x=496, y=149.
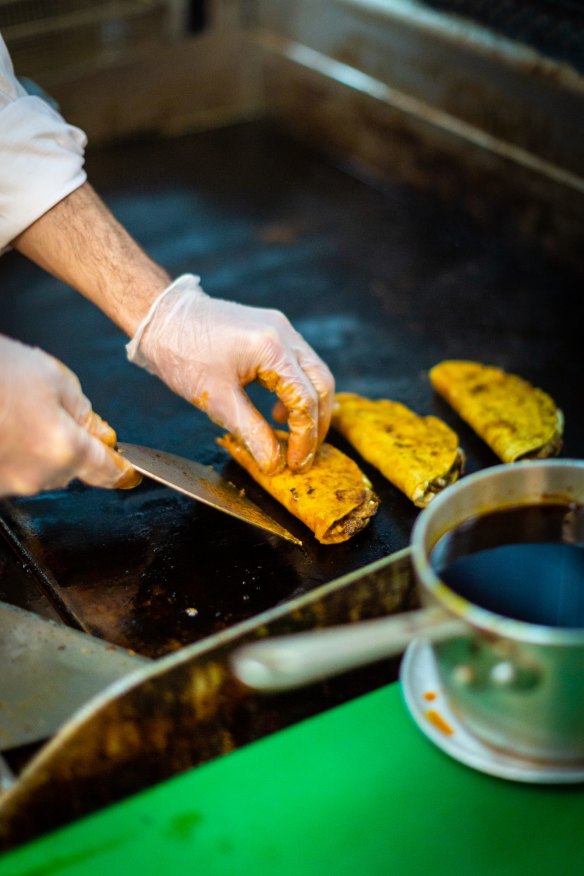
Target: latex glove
x=48, y=431
x=207, y=350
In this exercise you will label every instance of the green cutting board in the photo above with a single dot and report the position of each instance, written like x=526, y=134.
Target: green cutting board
x=357, y=790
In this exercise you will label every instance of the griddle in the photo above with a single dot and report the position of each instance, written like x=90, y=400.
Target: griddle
x=383, y=280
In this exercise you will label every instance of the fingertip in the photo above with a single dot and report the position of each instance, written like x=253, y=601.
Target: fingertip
x=105, y=467
x=302, y=447
x=270, y=464
x=127, y=476
x=280, y=412
x=302, y=466
x=302, y=443
x=128, y=480
x=249, y=426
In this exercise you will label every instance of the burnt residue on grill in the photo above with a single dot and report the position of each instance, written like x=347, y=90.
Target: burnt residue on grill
x=187, y=709
x=384, y=281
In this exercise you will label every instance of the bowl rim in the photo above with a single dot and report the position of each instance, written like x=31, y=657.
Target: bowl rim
x=477, y=617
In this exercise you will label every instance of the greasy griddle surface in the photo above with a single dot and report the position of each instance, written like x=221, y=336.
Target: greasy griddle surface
x=383, y=282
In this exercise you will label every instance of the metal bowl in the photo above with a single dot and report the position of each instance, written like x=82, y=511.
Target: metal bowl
x=516, y=685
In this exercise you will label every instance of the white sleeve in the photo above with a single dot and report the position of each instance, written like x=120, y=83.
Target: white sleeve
x=41, y=155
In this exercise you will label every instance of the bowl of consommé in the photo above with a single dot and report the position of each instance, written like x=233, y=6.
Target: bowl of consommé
x=503, y=550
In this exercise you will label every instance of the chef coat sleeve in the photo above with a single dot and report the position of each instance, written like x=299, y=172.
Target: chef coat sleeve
x=41, y=155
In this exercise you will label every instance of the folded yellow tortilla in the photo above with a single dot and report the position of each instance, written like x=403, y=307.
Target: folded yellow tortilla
x=419, y=455
x=334, y=498
x=516, y=419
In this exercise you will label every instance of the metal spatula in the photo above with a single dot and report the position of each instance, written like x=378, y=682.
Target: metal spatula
x=48, y=672
x=200, y=482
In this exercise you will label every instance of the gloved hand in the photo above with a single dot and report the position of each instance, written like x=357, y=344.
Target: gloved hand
x=48, y=431
x=207, y=350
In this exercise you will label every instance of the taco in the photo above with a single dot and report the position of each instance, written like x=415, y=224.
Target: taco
x=516, y=419
x=334, y=498
x=419, y=455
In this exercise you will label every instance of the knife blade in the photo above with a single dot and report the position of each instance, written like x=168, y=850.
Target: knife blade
x=200, y=482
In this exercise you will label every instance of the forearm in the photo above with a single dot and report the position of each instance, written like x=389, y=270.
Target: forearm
x=206, y=350
x=81, y=242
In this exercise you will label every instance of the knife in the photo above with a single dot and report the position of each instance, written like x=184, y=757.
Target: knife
x=200, y=482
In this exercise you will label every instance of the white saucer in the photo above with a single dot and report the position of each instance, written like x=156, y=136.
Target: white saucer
x=430, y=710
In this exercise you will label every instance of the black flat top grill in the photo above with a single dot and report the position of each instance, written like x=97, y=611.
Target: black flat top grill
x=383, y=282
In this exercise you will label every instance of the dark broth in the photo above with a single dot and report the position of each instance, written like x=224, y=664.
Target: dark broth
x=525, y=563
